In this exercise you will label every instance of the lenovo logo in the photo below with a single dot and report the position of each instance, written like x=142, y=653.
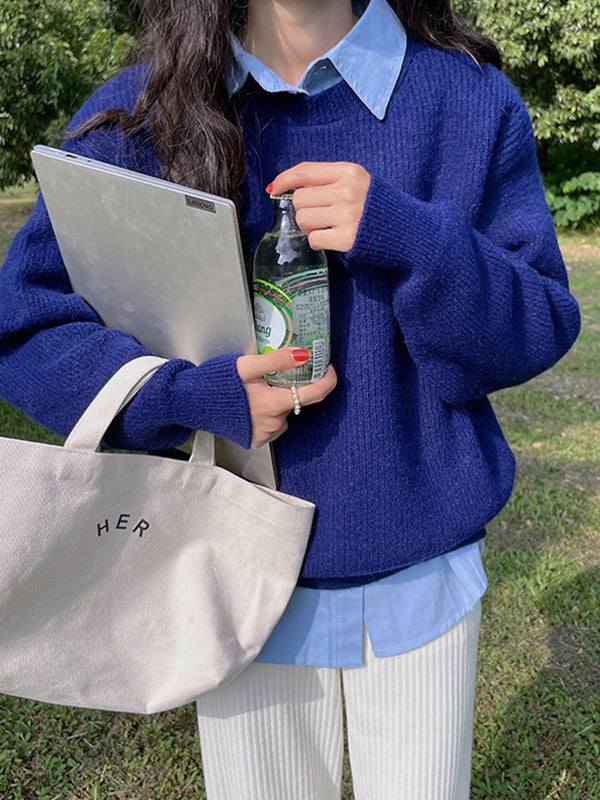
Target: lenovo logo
x=198, y=202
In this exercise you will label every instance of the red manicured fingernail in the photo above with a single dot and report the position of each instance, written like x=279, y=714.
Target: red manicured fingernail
x=301, y=355
x=270, y=187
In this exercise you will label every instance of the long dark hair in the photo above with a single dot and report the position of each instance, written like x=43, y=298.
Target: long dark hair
x=193, y=123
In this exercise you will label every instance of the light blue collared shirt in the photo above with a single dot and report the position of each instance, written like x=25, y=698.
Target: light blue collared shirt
x=324, y=627
x=369, y=58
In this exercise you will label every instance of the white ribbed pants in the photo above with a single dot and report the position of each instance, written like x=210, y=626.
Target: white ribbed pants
x=276, y=732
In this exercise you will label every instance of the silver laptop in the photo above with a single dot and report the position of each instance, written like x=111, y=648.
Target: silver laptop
x=158, y=260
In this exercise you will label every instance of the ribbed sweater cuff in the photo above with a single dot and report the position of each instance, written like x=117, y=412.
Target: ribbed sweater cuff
x=396, y=231
x=181, y=397
x=211, y=397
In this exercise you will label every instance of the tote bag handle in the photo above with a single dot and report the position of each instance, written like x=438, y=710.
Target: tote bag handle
x=119, y=390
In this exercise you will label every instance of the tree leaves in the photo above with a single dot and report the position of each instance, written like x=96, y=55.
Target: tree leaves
x=52, y=54
x=552, y=54
x=551, y=51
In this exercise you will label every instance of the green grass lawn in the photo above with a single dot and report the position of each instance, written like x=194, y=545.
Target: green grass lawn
x=15, y=206
x=537, y=730
x=538, y=719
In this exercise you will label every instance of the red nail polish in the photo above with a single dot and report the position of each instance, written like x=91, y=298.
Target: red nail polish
x=270, y=187
x=301, y=355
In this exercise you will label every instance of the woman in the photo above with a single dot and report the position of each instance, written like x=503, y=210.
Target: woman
x=414, y=165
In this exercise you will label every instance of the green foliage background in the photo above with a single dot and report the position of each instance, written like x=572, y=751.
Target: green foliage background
x=54, y=52
x=551, y=51
x=52, y=55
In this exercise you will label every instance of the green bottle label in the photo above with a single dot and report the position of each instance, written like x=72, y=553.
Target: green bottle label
x=273, y=317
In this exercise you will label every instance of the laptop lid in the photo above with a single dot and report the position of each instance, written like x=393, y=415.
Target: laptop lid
x=158, y=260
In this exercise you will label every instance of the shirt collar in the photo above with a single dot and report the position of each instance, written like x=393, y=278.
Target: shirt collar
x=369, y=59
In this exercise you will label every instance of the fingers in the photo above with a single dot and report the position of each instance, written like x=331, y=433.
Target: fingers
x=309, y=173
x=268, y=430
x=333, y=239
x=270, y=405
x=329, y=199
x=318, y=391
x=282, y=398
x=253, y=367
x=318, y=217
x=345, y=190
x=329, y=228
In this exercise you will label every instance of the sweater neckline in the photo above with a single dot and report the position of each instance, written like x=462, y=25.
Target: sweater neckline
x=335, y=104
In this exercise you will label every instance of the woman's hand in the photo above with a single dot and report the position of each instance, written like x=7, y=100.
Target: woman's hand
x=329, y=200
x=270, y=405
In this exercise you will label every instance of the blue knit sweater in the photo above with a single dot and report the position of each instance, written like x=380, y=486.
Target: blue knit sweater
x=454, y=288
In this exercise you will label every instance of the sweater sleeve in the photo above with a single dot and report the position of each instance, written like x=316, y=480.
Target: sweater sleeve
x=482, y=304
x=55, y=354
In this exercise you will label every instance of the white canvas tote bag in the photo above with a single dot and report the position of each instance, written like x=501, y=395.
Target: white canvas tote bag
x=135, y=582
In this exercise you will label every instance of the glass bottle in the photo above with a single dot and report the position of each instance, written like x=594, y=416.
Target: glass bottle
x=291, y=296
